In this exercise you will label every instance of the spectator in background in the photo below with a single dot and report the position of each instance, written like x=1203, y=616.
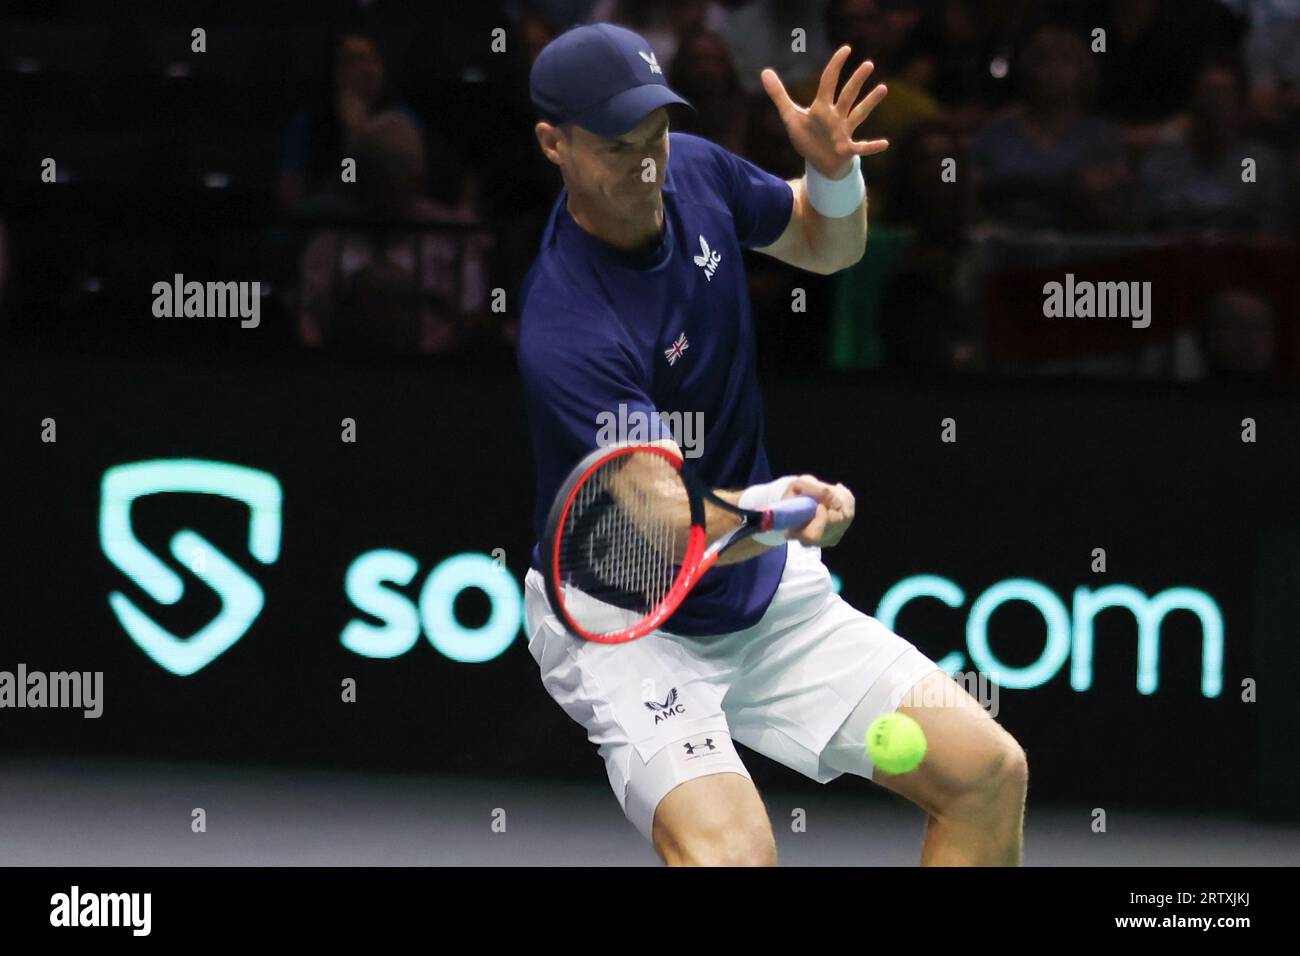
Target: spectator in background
x=877, y=33
x=767, y=144
x=536, y=30
x=922, y=304
x=786, y=340
x=1195, y=185
x=1048, y=164
x=520, y=184
x=961, y=51
x=483, y=94
x=664, y=24
x=1273, y=52
x=490, y=118
x=760, y=35
x=1238, y=340
x=931, y=206
x=382, y=287
x=353, y=89
x=562, y=13
x=1154, y=52
x=704, y=73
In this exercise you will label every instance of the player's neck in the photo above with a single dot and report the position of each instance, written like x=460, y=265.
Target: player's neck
x=622, y=232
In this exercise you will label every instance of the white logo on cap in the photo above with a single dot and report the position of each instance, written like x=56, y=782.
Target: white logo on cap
x=650, y=58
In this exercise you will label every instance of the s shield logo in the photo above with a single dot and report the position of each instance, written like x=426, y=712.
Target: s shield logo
x=241, y=596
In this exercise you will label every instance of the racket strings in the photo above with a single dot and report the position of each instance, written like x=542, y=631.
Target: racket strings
x=620, y=541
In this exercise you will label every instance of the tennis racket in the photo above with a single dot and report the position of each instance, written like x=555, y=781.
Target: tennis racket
x=626, y=540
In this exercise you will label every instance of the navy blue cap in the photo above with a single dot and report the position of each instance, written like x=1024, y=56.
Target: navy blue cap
x=602, y=77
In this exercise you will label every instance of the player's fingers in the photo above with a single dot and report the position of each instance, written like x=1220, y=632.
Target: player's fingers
x=863, y=109
x=829, y=497
x=813, y=487
x=870, y=148
x=776, y=90
x=848, y=504
x=831, y=75
x=811, y=533
x=849, y=95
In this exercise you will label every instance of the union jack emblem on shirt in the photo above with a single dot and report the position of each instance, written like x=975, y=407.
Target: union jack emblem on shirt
x=680, y=346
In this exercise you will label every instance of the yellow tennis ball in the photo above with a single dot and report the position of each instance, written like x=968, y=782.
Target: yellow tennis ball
x=896, y=743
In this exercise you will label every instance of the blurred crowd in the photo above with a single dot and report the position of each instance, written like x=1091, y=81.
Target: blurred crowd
x=1029, y=138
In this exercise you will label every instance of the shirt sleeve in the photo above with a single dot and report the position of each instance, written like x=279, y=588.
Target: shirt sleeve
x=579, y=390
x=761, y=204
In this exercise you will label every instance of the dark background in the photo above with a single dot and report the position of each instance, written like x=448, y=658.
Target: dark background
x=1036, y=480
x=223, y=165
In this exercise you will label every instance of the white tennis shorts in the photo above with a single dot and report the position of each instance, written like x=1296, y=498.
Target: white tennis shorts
x=665, y=709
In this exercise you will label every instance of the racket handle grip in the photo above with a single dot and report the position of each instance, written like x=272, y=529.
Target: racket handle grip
x=789, y=513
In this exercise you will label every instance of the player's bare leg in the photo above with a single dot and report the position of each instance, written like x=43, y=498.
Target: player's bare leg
x=718, y=820
x=972, y=782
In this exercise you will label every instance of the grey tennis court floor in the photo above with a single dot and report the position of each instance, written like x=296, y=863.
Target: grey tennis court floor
x=109, y=813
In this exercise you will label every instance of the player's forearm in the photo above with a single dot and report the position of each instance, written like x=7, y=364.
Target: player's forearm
x=652, y=493
x=719, y=521
x=831, y=244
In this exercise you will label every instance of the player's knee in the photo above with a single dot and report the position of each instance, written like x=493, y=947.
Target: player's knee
x=1012, y=778
x=997, y=774
x=1005, y=770
x=722, y=846
x=1017, y=765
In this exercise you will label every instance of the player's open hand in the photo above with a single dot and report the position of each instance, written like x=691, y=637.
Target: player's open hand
x=835, y=510
x=822, y=132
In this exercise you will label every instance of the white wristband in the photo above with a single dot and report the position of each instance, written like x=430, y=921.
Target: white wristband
x=758, y=496
x=836, y=198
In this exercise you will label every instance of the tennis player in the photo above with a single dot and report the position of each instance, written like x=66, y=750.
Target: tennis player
x=636, y=306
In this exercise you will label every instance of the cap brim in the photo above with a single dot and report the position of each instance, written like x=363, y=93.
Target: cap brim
x=624, y=111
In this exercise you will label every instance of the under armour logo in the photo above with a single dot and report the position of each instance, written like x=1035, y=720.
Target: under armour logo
x=708, y=259
x=650, y=59
x=691, y=746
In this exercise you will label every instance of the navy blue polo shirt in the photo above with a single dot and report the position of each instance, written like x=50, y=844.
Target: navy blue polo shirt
x=669, y=331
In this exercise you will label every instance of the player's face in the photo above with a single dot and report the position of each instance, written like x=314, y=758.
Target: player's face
x=623, y=173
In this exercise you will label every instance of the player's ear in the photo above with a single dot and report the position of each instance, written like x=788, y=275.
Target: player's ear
x=548, y=136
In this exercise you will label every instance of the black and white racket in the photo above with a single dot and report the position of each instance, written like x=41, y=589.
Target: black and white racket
x=626, y=540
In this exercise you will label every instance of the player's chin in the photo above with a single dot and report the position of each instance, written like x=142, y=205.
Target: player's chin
x=641, y=195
